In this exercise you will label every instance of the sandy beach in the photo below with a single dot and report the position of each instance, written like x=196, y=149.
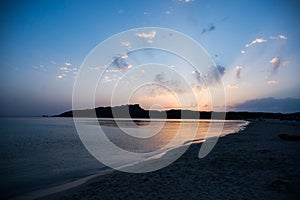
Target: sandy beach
x=252, y=164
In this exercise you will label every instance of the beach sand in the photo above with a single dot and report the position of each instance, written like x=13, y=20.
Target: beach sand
x=252, y=164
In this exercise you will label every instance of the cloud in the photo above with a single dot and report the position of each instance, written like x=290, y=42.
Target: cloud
x=212, y=76
x=120, y=63
x=275, y=63
x=221, y=69
x=125, y=56
x=282, y=37
x=273, y=37
x=275, y=60
x=198, y=76
x=242, y=52
x=64, y=69
x=107, y=79
x=174, y=85
x=125, y=44
x=112, y=70
x=40, y=67
x=215, y=74
x=285, y=63
x=97, y=67
x=163, y=85
x=211, y=27
x=287, y=105
x=185, y=1
x=149, y=35
x=68, y=63
x=60, y=76
x=233, y=86
x=161, y=79
x=257, y=40
x=68, y=69
x=238, y=70
x=272, y=82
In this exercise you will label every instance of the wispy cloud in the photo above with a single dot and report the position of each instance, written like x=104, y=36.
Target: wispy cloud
x=272, y=82
x=185, y=1
x=238, y=70
x=198, y=76
x=211, y=27
x=149, y=35
x=64, y=69
x=97, y=67
x=163, y=84
x=273, y=38
x=233, y=86
x=257, y=40
x=68, y=63
x=281, y=37
x=112, y=70
x=107, y=79
x=68, y=69
x=212, y=76
x=215, y=74
x=124, y=56
x=125, y=44
x=40, y=67
x=60, y=76
x=162, y=79
x=275, y=64
x=285, y=63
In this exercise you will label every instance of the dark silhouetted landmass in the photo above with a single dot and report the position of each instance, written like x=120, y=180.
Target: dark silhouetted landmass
x=135, y=111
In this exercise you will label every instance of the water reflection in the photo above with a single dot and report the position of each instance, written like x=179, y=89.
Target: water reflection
x=143, y=136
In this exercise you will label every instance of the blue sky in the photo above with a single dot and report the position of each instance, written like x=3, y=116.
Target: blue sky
x=43, y=44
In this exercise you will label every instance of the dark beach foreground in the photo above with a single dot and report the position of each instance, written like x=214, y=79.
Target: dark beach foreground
x=252, y=164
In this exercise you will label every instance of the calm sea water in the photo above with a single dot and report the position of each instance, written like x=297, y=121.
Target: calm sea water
x=38, y=153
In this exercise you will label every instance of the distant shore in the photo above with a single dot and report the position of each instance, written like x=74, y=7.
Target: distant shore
x=252, y=164
x=136, y=111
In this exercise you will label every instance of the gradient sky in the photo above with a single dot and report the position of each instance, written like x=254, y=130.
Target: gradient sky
x=43, y=44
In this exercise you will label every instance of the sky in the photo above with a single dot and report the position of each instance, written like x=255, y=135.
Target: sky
x=255, y=46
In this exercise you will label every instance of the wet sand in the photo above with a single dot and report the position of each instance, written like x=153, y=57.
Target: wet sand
x=252, y=164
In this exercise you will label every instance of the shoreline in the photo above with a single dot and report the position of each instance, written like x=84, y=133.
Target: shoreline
x=61, y=188
x=254, y=163
x=78, y=182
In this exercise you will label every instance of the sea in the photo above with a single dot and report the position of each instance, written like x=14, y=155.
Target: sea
x=39, y=153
